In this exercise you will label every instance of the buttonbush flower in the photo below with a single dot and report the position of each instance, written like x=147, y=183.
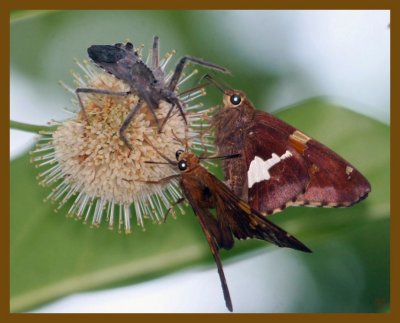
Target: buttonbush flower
x=88, y=163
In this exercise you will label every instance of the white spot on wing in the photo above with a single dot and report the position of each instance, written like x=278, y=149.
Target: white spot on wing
x=259, y=168
x=349, y=170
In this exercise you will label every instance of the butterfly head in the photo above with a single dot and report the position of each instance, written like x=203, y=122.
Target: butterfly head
x=186, y=161
x=233, y=98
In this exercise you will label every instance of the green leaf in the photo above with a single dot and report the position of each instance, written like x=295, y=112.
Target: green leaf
x=16, y=15
x=53, y=256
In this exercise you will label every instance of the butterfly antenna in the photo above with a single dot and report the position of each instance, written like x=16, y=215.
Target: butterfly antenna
x=159, y=152
x=183, y=142
x=198, y=87
x=218, y=84
x=220, y=157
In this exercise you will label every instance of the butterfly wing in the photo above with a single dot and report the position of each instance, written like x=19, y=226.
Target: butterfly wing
x=197, y=194
x=245, y=222
x=276, y=173
x=234, y=217
x=303, y=172
x=334, y=182
x=261, y=176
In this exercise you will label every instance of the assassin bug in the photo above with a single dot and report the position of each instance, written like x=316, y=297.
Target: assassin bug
x=149, y=83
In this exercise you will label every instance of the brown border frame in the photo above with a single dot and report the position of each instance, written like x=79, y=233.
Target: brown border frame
x=393, y=5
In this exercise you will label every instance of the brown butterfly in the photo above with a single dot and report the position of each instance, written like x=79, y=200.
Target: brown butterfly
x=280, y=165
x=233, y=217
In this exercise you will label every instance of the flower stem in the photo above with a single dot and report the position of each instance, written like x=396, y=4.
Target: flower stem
x=28, y=127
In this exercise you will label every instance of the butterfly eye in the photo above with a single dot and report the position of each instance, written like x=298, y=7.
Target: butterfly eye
x=182, y=165
x=236, y=99
x=178, y=153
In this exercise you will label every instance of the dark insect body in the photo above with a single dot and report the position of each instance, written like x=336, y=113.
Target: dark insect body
x=233, y=218
x=147, y=82
x=279, y=165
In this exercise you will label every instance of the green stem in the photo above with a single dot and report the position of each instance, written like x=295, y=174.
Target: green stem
x=28, y=127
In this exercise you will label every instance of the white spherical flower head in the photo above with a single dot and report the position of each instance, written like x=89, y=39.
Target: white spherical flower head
x=86, y=160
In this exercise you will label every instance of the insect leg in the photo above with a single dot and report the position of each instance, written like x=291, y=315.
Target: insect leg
x=152, y=106
x=165, y=180
x=95, y=91
x=181, y=200
x=162, y=180
x=177, y=103
x=181, y=64
x=126, y=123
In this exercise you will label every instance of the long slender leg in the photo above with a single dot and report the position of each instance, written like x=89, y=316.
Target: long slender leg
x=155, y=56
x=166, y=118
x=152, y=106
x=181, y=200
x=166, y=180
x=95, y=91
x=162, y=180
x=179, y=105
x=177, y=102
x=181, y=64
x=126, y=123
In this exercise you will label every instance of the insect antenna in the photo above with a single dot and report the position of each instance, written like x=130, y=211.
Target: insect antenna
x=194, y=88
x=183, y=142
x=218, y=84
x=156, y=162
x=169, y=161
x=220, y=157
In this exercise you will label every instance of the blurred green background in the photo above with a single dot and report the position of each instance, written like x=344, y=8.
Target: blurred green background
x=52, y=257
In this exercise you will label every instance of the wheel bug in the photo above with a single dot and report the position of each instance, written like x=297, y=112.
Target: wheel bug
x=148, y=83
